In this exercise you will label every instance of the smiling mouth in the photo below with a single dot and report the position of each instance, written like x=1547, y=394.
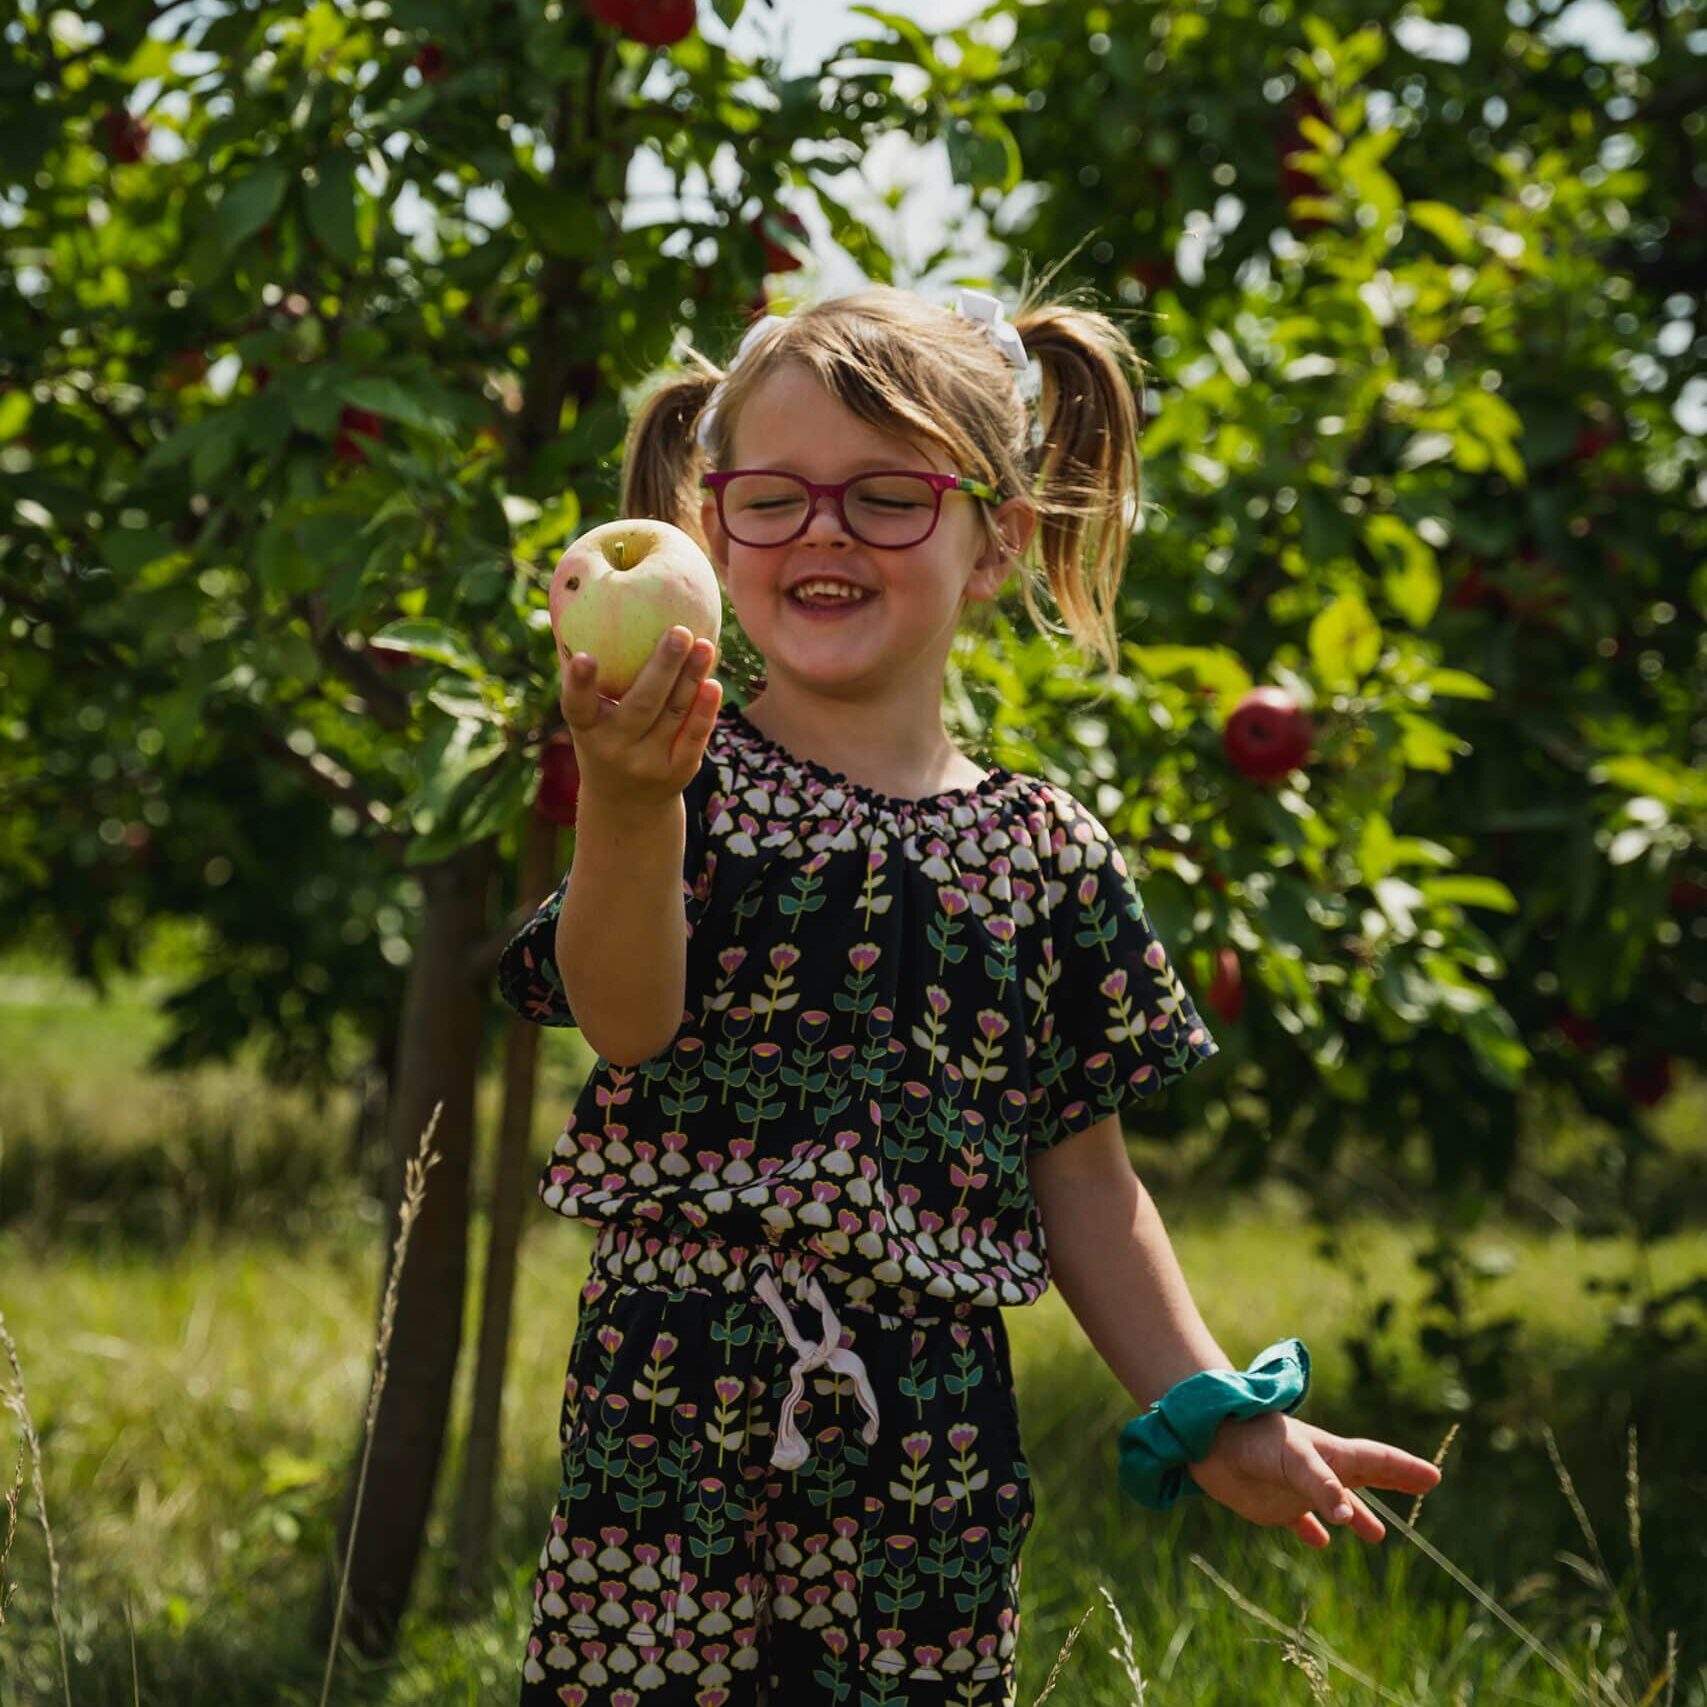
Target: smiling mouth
x=807, y=599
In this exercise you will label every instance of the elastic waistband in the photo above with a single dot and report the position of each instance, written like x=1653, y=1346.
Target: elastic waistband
x=629, y=1256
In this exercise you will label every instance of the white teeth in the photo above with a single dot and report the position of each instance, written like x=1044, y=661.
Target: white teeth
x=830, y=589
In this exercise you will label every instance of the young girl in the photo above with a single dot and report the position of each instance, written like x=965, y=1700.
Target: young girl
x=867, y=1013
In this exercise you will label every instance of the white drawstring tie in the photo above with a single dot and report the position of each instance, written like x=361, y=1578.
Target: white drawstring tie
x=790, y=1450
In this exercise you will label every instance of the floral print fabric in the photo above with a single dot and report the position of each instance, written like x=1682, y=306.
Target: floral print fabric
x=682, y=1567
x=890, y=1004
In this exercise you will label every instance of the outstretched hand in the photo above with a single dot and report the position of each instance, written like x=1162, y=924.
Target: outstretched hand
x=1278, y=1471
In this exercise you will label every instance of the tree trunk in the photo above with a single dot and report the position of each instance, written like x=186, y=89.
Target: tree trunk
x=509, y=1198
x=438, y=1059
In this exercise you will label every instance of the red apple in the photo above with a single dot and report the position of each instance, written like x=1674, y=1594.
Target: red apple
x=388, y=656
x=1152, y=272
x=354, y=424
x=430, y=62
x=656, y=23
x=559, y=781
x=1582, y=1034
x=1267, y=735
x=185, y=368
x=1226, y=994
x=1646, y=1079
x=1592, y=438
x=1472, y=589
x=1685, y=895
x=618, y=588
x=127, y=135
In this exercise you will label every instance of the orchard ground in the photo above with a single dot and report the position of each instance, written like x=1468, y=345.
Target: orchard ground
x=190, y=1275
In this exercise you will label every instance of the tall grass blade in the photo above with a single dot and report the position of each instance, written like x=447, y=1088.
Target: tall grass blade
x=18, y=1405
x=1638, y=1644
x=1303, y=1639
x=414, y=1195
x=1478, y=1593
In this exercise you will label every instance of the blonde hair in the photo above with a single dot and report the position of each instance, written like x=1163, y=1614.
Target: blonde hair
x=916, y=369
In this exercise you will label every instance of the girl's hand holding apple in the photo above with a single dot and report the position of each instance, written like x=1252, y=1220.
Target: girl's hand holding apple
x=637, y=611
x=642, y=750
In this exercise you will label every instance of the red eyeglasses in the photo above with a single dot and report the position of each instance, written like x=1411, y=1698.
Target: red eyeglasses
x=889, y=508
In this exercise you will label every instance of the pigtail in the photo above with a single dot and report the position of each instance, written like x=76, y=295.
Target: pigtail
x=1085, y=470
x=662, y=458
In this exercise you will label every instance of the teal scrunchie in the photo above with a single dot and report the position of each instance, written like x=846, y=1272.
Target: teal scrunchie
x=1179, y=1428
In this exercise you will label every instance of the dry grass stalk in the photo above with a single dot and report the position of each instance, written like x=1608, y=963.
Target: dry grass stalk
x=1633, y=1516
x=1313, y=1673
x=1123, y=1654
x=1061, y=1658
x=1300, y=1637
x=18, y=1405
x=1439, y=1459
x=409, y=1212
x=7, y=1589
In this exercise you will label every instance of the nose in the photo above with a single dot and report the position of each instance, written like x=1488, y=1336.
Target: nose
x=824, y=521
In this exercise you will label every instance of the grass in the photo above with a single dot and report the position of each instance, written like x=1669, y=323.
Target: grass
x=194, y=1376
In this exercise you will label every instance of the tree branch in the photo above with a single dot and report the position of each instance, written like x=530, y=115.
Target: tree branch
x=330, y=779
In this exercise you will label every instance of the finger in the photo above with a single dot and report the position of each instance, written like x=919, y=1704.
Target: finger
x=1375, y=1464
x=1365, y=1525
x=646, y=695
x=580, y=695
x=1309, y=1529
x=684, y=691
x=697, y=722
x=1315, y=1479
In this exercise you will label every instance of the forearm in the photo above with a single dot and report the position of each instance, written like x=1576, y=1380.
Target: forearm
x=622, y=931
x=1111, y=1258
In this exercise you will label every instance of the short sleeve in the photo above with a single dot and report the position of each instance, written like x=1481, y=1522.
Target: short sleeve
x=1116, y=1025
x=528, y=979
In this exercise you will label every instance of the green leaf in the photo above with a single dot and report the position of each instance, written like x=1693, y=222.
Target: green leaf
x=729, y=11
x=15, y=410
x=1411, y=578
x=248, y=204
x=1458, y=684
x=1345, y=641
x=331, y=207
x=1440, y=219
x=1468, y=890
x=434, y=641
x=414, y=404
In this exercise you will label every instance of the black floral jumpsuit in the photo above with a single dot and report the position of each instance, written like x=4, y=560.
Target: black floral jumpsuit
x=792, y=1470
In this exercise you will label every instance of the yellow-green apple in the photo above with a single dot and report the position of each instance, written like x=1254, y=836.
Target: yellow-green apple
x=620, y=587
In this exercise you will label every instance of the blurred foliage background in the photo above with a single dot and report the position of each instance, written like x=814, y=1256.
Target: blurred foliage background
x=318, y=338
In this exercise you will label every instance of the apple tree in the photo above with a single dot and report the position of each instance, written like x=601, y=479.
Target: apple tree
x=1410, y=744
x=315, y=351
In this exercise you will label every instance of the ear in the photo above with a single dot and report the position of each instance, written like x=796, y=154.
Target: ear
x=1014, y=523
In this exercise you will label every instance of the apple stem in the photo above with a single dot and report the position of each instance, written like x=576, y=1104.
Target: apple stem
x=619, y=550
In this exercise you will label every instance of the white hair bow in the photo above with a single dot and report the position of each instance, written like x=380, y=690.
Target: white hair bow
x=758, y=333
x=986, y=310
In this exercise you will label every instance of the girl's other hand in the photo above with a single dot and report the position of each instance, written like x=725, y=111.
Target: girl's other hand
x=1276, y=1470
x=642, y=750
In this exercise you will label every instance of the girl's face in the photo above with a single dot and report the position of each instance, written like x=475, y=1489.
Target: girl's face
x=896, y=639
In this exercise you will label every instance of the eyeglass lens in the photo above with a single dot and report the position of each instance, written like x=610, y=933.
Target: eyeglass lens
x=882, y=509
